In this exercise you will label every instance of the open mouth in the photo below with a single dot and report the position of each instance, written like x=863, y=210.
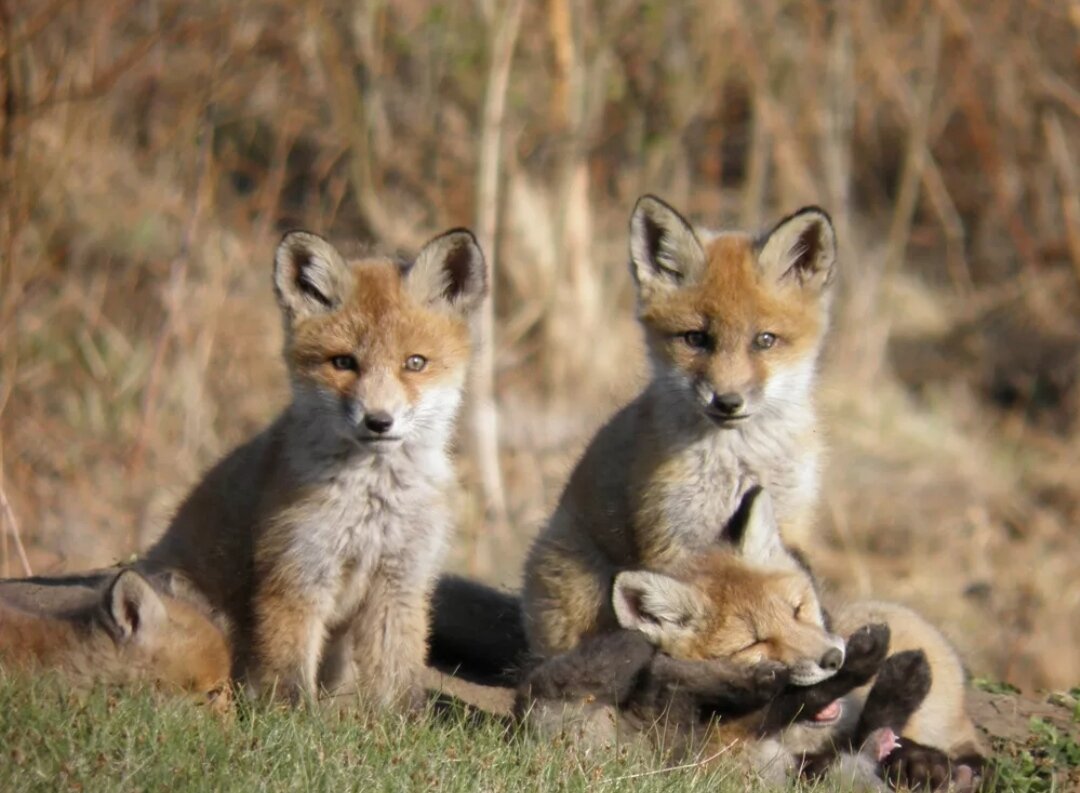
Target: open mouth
x=830, y=714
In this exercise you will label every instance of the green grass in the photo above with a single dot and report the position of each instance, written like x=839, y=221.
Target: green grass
x=52, y=739
x=1048, y=762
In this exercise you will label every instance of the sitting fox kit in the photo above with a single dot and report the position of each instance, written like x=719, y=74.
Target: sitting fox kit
x=319, y=540
x=733, y=325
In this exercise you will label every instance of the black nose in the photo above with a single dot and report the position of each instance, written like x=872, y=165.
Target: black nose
x=379, y=421
x=833, y=659
x=728, y=404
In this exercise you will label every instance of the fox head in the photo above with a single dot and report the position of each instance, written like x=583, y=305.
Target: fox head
x=161, y=639
x=733, y=322
x=748, y=603
x=378, y=352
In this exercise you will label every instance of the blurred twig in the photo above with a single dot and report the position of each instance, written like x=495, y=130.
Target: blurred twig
x=484, y=416
x=1068, y=182
x=915, y=157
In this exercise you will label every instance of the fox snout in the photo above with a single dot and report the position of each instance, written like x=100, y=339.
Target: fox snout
x=725, y=405
x=808, y=671
x=379, y=422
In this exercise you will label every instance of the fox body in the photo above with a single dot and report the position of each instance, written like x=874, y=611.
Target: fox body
x=112, y=628
x=733, y=325
x=318, y=541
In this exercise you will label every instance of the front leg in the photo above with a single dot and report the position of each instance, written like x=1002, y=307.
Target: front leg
x=289, y=633
x=605, y=667
x=390, y=634
x=699, y=690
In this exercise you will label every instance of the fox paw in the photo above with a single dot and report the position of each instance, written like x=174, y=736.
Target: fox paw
x=768, y=678
x=920, y=767
x=866, y=649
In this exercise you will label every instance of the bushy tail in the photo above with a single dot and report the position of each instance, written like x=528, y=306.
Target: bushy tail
x=477, y=632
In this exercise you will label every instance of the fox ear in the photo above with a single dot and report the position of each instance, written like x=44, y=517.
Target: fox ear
x=754, y=532
x=134, y=610
x=664, y=250
x=450, y=272
x=310, y=276
x=654, y=604
x=801, y=247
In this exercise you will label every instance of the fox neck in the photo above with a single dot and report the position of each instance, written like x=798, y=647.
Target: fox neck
x=703, y=470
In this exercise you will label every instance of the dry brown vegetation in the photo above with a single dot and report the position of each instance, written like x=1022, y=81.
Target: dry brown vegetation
x=153, y=150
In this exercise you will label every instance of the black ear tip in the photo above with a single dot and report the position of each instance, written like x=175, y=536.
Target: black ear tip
x=461, y=231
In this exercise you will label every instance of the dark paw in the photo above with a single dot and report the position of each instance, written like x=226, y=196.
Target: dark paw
x=866, y=649
x=907, y=677
x=917, y=767
x=768, y=678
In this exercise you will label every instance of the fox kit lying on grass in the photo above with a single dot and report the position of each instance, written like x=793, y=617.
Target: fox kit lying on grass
x=733, y=325
x=112, y=629
x=732, y=613
x=319, y=539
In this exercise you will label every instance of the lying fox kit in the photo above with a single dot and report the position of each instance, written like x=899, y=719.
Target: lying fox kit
x=319, y=539
x=733, y=325
x=126, y=633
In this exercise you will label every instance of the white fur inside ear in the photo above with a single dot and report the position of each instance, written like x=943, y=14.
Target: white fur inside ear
x=801, y=247
x=664, y=250
x=654, y=604
x=310, y=276
x=450, y=272
x=136, y=609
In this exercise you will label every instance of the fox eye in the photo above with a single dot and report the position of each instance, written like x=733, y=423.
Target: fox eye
x=764, y=341
x=415, y=363
x=345, y=363
x=698, y=339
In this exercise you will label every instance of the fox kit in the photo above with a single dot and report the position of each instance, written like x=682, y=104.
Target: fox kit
x=733, y=325
x=122, y=632
x=319, y=539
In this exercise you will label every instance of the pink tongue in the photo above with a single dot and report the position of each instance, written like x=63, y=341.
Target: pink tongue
x=829, y=712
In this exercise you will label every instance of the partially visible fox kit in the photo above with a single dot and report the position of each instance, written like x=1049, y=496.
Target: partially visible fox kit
x=319, y=539
x=112, y=629
x=733, y=325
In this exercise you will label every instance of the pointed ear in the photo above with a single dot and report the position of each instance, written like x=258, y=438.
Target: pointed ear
x=664, y=251
x=449, y=272
x=801, y=247
x=310, y=276
x=754, y=532
x=654, y=604
x=134, y=609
